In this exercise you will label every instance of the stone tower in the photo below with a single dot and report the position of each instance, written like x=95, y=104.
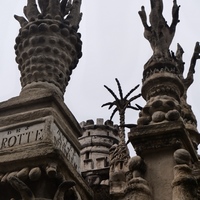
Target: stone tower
x=166, y=137
x=96, y=141
x=40, y=152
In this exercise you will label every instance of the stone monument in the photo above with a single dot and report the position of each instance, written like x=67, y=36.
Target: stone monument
x=45, y=154
x=166, y=136
x=39, y=148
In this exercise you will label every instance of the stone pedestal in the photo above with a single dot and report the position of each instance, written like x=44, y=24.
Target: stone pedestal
x=156, y=145
x=39, y=146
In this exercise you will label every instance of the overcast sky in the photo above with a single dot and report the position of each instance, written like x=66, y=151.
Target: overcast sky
x=113, y=47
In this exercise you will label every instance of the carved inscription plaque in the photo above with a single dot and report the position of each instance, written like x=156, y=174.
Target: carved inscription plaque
x=21, y=135
x=62, y=143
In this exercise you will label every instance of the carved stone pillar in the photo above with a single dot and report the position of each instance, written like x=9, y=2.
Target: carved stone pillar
x=39, y=148
x=161, y=128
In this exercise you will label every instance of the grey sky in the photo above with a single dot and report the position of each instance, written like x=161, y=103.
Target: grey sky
x=113, y=47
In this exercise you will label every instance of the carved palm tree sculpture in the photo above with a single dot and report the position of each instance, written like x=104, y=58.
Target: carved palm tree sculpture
x=121, y=104
x=159, y=34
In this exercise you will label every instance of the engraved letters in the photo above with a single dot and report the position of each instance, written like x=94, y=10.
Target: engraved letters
x=20, y=136
x=35, y=133
x=62, y=143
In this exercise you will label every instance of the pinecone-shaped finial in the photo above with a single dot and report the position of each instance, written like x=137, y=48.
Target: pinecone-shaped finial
x=48, y=46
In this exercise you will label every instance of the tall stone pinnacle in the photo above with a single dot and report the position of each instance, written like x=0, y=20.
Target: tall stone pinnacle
x=48, y=46
x=166, y=124
x=162, y=85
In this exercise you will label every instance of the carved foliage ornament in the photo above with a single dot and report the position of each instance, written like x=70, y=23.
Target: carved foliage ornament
x=159, y=33
x=61, y=10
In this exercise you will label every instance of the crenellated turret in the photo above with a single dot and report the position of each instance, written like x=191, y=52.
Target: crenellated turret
x=96, y=141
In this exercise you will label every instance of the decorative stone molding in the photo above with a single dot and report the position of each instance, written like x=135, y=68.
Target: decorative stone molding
x=25, y=192
x=119, y=172
x=31, y=173
x=43, y=131
x=127, y=181
x=95, y=142
x=159, y=136
x=160, y=109
x=27, y=182
x=160, y=81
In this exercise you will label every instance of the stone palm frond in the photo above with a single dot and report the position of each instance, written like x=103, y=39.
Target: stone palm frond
x=123, y=102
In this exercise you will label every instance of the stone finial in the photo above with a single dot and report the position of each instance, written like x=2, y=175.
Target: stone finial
x=63, y=10
x=159, y=34
x=137, y=164
x=48, y=46
x=162, y=86
x=182, y=156
x=109, y=123
x=99, y=121
x=89, y=122
x=184, y=185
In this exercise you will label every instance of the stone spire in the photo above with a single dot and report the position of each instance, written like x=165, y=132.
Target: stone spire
x=162, y=85
x=159, y=34
x=166, y=123
x=40, y=151
x=48, y=46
